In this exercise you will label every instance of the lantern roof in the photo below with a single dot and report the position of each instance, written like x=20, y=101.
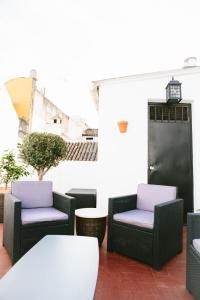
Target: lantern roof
x=173, y=82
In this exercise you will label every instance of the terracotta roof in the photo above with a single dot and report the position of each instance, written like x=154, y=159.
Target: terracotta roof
x=82, y=151
x=90, y=132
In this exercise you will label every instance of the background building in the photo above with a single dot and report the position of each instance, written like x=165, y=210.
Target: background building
x=25, y=108
x=37, y=113
x=127, y=159
x=9, y=122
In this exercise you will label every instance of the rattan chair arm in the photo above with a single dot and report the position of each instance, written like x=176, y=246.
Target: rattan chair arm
x=193, y=226
x=168, y=213
x=65, y=204
x=121, y=204
x=117, y=205
x=168, y=224
x=12, y=225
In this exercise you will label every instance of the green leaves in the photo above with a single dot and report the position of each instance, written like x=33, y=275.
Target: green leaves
x=9, y=169
x=43, y=151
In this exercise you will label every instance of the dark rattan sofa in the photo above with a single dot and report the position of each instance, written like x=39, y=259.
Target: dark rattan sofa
x=155, y=240
x=31, y=211
x=193, y=255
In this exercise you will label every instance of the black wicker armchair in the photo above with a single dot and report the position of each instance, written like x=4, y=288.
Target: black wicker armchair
x=193, y=255
x=146, y=226
x=31, y=211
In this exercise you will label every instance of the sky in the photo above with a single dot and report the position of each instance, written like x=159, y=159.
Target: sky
x=73, y=42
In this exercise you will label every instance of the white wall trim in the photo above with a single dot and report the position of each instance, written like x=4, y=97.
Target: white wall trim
x=148, y=76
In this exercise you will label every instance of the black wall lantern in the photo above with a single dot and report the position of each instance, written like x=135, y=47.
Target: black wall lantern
x=173, y=92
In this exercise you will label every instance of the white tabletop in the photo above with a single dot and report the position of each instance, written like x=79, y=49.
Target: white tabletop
x=90, y=213
x=58, y=267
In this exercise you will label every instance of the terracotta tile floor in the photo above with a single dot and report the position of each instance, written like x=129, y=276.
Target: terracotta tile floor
x=121, y=278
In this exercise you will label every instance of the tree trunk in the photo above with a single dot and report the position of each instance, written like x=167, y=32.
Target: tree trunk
x=6, y=185
x=40, y=175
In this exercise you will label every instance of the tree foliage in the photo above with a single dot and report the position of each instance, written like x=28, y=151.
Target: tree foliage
x=9, y=169
x=43, y=151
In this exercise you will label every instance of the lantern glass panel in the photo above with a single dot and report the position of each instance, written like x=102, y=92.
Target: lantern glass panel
x=175, y=91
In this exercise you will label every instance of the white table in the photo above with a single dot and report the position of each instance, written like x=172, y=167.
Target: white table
x=58, y=267
x=91, y=222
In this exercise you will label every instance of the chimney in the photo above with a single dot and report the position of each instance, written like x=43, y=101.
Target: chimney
x=33, y=74
x=190, y=62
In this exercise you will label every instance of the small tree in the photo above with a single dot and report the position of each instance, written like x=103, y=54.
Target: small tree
x=9, y=169
x=43, y=151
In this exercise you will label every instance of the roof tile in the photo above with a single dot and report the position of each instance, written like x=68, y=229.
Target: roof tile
x=82, y=151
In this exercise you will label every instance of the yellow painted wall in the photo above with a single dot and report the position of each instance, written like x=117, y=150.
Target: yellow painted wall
x=20, y=92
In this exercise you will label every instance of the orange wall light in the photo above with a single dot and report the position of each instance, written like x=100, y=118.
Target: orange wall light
x=122, y=125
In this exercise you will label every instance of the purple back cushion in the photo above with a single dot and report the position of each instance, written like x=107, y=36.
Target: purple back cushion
x=33, y=193
x=149, y=195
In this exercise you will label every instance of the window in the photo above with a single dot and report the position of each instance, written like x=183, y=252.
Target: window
x=168, y=113
x=89, y=138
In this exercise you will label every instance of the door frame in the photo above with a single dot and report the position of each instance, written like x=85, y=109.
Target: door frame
x=189, y=105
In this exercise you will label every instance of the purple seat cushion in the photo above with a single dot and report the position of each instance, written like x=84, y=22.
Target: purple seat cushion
x=149, y=195
x=141, y=218
x=37, y=215
x=33, y=193
x=196, y=244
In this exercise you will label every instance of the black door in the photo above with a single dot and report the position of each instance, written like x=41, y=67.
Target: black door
x=170, y=149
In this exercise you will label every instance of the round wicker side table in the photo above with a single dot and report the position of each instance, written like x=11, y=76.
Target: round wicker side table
x=91, y=222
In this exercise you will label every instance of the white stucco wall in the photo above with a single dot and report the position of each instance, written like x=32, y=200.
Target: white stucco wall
x=9, y=122
x=71, y=174
x=76, y=127
x=38, y=113
x=43, y=114
x=123, y=158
